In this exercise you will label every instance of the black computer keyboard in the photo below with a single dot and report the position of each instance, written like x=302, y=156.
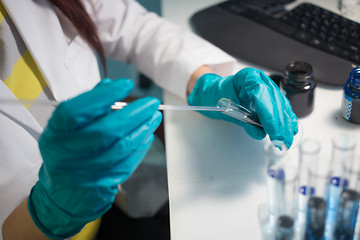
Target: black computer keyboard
x=265, y=33
x=264, y=6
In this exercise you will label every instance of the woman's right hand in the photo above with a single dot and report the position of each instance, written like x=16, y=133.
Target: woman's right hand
x=88, y=150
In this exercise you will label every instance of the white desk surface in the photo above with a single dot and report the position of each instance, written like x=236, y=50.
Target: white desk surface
x=216, y=172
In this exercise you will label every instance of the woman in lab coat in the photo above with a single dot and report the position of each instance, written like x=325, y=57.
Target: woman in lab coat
x=87, y=150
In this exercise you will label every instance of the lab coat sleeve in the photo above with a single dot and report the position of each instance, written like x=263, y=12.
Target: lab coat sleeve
x=158, y=48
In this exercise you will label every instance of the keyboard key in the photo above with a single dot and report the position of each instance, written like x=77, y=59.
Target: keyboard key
x=313, y=31
x=331, y=39
x=327, y=23
x=334, y=18
x=316, y=42
x=354, y=48
x=353, y=42
x=308, y=14
x=322, y=36
x=316, y=12
x=303, y=26
x=355, y=58
x=317, y=19
x=333, y=33
x=324, y=14
x=335, y=27
x=324, y=29
x=330, y=48
x=344, y=53
x=314, y=24
x=354, y=35
x=346, y=45
x=302, y=36
x=342, y=37
x=344, y=31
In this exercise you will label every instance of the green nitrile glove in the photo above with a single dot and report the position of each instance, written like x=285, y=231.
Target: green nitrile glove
x=254, y=90
x=88, y=150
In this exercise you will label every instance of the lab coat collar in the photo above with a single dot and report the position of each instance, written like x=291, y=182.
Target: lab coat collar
x=38, y=25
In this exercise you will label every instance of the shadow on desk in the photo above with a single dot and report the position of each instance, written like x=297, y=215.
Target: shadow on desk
x=115, y=225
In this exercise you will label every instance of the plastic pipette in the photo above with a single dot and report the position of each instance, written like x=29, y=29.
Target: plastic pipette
x=225, y=106
x=239, y=112
x=120, y=105
x=116, y=105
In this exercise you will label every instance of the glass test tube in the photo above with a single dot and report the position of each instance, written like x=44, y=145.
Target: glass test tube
x=317, y=205
x=357, y=225
x=309, y=153
x=273, y=156
x=343, y=151
x=285, y=220
x=349, y=201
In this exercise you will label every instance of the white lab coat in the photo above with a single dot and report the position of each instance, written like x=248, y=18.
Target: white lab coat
x=129, y=33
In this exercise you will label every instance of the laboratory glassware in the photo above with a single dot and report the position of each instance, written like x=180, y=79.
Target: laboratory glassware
x=121, y=105
x=281, y=182
x=343, y=147
x=349, y=201
x=357, y=225
x=309, y=150
x=318, y=173
x=285, y=218
x=238, y=112
x=273, y=156
x=266, y=221
x=224, y=105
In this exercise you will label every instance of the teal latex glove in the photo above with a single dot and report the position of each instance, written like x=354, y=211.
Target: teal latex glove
x=88, y=150
x=254, y=90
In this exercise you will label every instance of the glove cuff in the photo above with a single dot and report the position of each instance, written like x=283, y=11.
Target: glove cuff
x=205, y=83
x=52, y=220
x=208, y=90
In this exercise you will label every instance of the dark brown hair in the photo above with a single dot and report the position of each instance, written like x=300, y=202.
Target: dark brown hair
x=75, y=11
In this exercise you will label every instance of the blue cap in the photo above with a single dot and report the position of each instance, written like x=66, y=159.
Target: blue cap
x=354, y=78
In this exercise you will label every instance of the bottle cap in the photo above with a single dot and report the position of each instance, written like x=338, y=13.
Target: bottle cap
x=354, y=78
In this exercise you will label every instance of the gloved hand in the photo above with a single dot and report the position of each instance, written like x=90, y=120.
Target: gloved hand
x=254, y=90
x=88, y=150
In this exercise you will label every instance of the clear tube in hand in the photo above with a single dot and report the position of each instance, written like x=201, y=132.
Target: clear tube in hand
x=238, y=112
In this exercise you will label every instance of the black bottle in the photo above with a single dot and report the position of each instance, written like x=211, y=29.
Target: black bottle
x=298, y=85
